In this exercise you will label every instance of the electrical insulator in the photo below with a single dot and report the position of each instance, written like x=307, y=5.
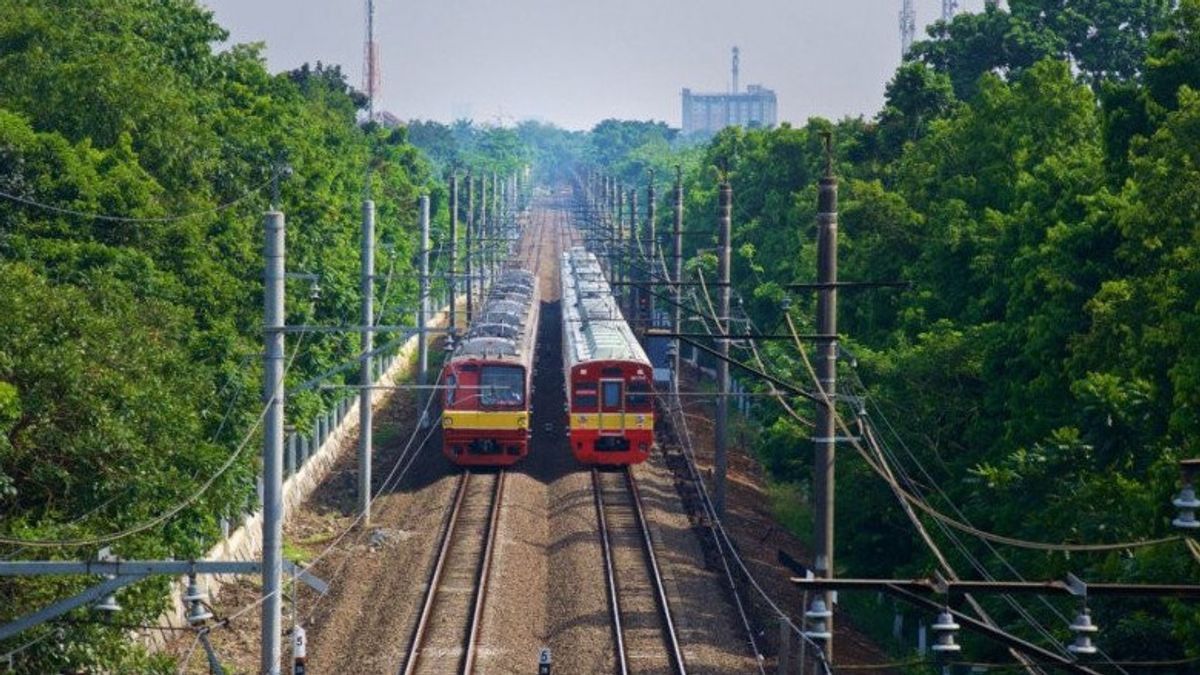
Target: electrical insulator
x=109, y=604
x=197, y=613
x=818, y=615
x=945, y=628
x=314, y=291
x=1083, y=628
x=1187, y=504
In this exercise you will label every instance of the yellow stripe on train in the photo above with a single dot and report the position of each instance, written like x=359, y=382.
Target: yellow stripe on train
x=612, y=421
x=482, y=419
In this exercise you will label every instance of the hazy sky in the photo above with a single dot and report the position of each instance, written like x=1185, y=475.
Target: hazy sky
x=576, y=62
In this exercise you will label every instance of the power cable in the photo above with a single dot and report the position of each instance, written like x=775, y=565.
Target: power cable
x=983, y=534
x=127, y=219
x=175, y=509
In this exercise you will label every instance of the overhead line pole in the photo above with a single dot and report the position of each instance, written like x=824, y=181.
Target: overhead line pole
x=469, y=253
x=677, y=253
x=423, y=305
x=366, y=376
x=452, y=280
x=825, y=432
x=273, y=393
x=633, y=299
x=651, y=234
x=721, y=454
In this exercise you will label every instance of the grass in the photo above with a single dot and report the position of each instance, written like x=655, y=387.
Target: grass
x=789, y=505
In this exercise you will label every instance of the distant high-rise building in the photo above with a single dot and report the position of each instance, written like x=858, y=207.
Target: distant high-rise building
x=709, y=113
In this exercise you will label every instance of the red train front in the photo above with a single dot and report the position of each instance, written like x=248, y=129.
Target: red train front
x=608, y=378
x=486, y=409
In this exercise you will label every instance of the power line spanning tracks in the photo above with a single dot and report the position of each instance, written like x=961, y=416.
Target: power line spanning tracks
x=641, y=617
x=448, y=628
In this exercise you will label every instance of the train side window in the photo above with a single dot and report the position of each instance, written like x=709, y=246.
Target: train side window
x=451, y=389
x=638, y=396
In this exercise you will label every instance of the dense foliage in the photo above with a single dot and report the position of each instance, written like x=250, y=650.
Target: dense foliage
x=1044, y=366
x=129, y=362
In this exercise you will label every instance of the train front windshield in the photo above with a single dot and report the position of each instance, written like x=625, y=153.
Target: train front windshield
x=502, y=386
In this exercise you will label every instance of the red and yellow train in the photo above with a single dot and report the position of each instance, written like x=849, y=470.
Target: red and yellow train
x=486, y=380
x=609, y=380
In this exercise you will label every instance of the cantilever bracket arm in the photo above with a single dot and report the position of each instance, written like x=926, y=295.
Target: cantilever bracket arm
x=65, y=605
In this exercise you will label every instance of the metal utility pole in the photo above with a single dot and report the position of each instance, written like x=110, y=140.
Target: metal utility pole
x=652, y=235
x=484, y=234
x=423, y=305
x=825, y=433
x=677, y=253
x=468, y=267
x=497, y=222
x=615, y=245
x=273, y=393
x=453, y=279
x=949, y=9
x=720, y=456
x=633, y=297
x=908, y=27
x=366, y=341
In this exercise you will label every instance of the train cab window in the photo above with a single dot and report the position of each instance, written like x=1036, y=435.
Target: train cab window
x=611, y=392
x=584, y=398
x=502, y=386
x=638, y=396
x=451, y=389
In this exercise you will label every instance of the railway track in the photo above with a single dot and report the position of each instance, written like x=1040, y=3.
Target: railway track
x=643, y=631
x=447, y=632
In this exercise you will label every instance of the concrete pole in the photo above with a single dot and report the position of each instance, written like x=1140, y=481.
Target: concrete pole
x=497, y=225
x=618, y=238
x=366, y=379
x=677, y=253
x=720, y=456
x=633, y=294
x=273, y=392
x=484, y=235
x=652, y=235
x=423, y=305
x=452, y=281
x=469, y=267
x=825, y=433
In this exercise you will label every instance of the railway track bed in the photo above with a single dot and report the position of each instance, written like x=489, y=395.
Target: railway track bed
x=447, y=631
x=644, y=633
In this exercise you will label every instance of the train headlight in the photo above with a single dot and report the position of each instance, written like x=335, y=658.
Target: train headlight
x=447, y=422
x=641, y=420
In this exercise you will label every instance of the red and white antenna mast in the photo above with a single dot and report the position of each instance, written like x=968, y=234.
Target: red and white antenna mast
x=371, y=76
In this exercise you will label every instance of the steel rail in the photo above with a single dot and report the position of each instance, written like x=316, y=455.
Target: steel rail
x=664, y=607
x=614, y=598
x=481, y=584
x=669, y=633
x=481, y=576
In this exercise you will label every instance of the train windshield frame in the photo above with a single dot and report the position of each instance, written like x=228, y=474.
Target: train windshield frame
x=502, y=386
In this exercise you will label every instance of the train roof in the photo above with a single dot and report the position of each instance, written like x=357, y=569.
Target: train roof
x=502, y=327
x=594, y=326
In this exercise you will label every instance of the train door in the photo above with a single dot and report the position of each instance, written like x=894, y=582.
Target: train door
x=612, y=407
